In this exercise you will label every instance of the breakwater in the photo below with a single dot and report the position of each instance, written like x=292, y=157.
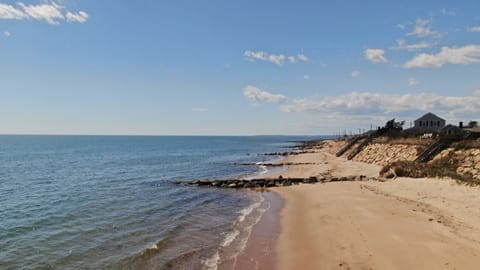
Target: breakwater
x=273, y=182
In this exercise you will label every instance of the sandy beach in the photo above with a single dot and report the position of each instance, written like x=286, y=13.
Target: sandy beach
x=398, y=224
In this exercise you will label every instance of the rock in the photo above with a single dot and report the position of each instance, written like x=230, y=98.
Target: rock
x=270, y=183
x=287, y=183
x=247, y=185
x=204, y=182
x=233, y=185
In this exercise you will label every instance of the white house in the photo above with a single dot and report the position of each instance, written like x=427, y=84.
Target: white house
x=429, y=122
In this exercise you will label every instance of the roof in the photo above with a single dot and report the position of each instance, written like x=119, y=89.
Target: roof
x=429, y=117
x=474, y=130
x=451, y=127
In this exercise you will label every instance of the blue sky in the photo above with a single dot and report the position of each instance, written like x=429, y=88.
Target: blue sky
x=234, y=67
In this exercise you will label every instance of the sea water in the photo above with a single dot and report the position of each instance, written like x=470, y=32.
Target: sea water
x=108, y=202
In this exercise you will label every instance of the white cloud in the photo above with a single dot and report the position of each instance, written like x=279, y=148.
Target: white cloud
x=50, y=11
x=292, y=59
x=302, y=57
x=413, y=82
x=376, y=55
x=278, y=59
x=355, y=73
x=464, y=55
x=295, y=59
x=9, y=12
x=375, y=104
x=402, y=45
x=306, y=77
x=6, y=33
x=199, y=110
x=423, y=28
x=256, y=94
x=474, y=29
x=263, y=56
x=80, y=17
x=401, y=26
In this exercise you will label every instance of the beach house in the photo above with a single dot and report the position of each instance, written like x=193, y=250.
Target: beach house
x=429, y=122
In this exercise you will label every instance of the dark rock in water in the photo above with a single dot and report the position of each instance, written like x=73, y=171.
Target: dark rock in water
x=248, y=185
x=204, y=182
x=267, y=183
x=270, y=183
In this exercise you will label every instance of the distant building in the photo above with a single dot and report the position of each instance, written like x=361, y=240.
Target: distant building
x=429, y=122
x=451, y=130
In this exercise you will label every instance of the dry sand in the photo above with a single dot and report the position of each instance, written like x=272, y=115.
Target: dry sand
x=399, y=224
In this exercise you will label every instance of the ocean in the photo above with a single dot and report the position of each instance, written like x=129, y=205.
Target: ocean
x=108, y=202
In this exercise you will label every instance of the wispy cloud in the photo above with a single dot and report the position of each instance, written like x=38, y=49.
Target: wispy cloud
x=412, y=82
x=256, y=95
x=355, y=73
x=368, y=103
x=373, y=105
x=9, y=12
x=302, y=57
x=448, y=12
x=306, y=77
x=376, y=56
x=263, y=56
x=402, y=45
x=423, y=28
x=464, y=55
x=52, y=12
x=277, y=59
x=474, y=29
x=6, y=33
x=80, y=17
x=299, y=58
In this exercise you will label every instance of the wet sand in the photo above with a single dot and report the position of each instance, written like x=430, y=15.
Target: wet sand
x=399, y=224
x=260, y=251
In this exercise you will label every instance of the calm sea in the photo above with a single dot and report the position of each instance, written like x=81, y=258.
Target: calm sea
x=107, y=202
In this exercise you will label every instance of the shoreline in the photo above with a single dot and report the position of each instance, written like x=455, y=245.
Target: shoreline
x=260, y=249
x=405, y=223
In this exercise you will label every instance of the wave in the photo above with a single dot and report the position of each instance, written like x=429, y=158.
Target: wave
x=236, y=240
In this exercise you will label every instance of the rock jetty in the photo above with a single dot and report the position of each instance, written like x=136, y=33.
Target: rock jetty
x=270, y=182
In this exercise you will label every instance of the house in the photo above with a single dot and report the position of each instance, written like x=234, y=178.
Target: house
x=451, y=130
x=429, y=122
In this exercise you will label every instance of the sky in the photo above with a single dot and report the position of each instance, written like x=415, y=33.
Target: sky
x=153, y=67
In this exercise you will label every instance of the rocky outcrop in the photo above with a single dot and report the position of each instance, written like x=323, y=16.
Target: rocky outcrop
x=272, y=182
x=383, y=154
x=468, y=161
